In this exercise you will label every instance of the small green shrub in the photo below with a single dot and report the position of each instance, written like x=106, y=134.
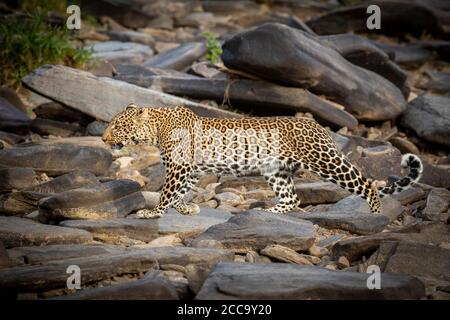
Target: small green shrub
x=214, y=48
x=59, y=6
x=29, y=42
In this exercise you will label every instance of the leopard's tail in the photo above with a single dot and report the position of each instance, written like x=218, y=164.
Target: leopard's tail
x=415, y=166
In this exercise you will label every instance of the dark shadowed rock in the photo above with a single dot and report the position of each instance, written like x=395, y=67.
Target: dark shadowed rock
x=289, y=281
x=148, y=288
x=437, y=82
x=11, y=118
x=57, y=159
x=60, y=112
x=56, y=128
x=364, y=53
x=407, y=54
x=140, y=229
x=429, y=117
x=111, y=199
x=254, y=230
x=174, y=222
x=350, y=220
x=178, y=58
x=354, y=249
x=300, y=59
x=438, y=202
x=16, y=178
x=103, y=97
x=44, y=254
x=16, y=232
x=398, y=17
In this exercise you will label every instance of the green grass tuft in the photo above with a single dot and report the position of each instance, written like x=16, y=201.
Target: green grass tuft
x=214, y=47
x=29, y=42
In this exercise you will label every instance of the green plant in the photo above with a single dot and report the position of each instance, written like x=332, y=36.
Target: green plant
x=214, y=48
x=59, y=6
x=30, y=41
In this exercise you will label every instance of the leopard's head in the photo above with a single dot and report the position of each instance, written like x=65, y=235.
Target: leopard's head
x=134, y=125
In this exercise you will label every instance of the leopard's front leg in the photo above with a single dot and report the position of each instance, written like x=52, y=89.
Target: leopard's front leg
x=173, y=190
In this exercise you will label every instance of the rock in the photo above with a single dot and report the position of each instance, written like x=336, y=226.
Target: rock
x=151, y=198
x=228, y=198
x=429, y=118
x=27, y=200
x=11, y=118
x=206, y=180
x=328, y=73
x=390, y=207
x=164, y=241
x=185, y=226
x=56, y=128
x=83, y=141
x=284, y=254
x=59, y=112
x=111, y=199
x=16, y=179
x=290, y=281
x=398, y=17
x=420, y=260
x=410, y=195
x=148, y=288
x=438, y=202
x=343, y=262
x=354, y=249
x=410, y=55
x=11, y=138
x=320, y=192
x=435, y=175
x=196, y=275
x=405, y=146
x=121, y=52
x=378, y=163
x=16, y=232
x=54, y=276
x=178, y=58
x=364, y=53
x=96, y=128
x=138, y=74
x=45, y=254
x=63, y=84
x=264, y=95
x=353, y=221
x=253, y=230
x=131, y=36
x=57, y=159
x=197, y=20
x=317, y=251
x=156, y=175
x=5, y=261
x=437, y=82
x=139, y=229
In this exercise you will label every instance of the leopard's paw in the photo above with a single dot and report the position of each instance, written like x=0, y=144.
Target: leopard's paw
x=149, y=214
x=189, y=209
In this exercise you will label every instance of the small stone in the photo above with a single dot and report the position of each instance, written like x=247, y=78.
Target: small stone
x=285, y=254
x=343, y=262
x=229, y=198
x=169, y=240
x=317, y=251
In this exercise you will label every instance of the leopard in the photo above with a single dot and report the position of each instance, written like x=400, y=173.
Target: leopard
x=273, y=147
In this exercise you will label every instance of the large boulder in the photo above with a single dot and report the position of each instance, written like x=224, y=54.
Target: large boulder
x=290, y=281
x=299, y=59
x=429, y=117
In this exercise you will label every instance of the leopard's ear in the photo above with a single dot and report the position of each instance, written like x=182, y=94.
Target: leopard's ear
x=132, y=106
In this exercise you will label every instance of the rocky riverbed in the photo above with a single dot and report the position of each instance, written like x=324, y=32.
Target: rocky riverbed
x=66, y=199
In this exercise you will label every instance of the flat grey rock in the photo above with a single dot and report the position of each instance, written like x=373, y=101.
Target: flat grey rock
x=254, y=230
x=232, y=281
x=57, y=159
x=103, y=97
x=16, y=178
x=174, y=222
x=353, y=221
x=17, y=232
x=320, y=192
x=121, y=52
x=178, y=58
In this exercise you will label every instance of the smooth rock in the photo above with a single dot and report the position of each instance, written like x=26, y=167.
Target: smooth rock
x=140, y=229
x=47, y=127
x=113, y=199
x=131, y=36
x=57, y=159
x=429, y=117
x=437, y=82
x=290, y=281
x=11, y=118
x=178, y=58
x=185, y=226
x=16, y=178
x=59, y=112
x=299, y=59
x=254, y=230
x=320, y=192
x=285, y=254
x=121, y=52
x=438, y=202
x=63, y=84
x=148, y=288
x=17, y=232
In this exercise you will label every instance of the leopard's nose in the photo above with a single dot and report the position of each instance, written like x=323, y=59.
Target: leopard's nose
x=106, y=136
